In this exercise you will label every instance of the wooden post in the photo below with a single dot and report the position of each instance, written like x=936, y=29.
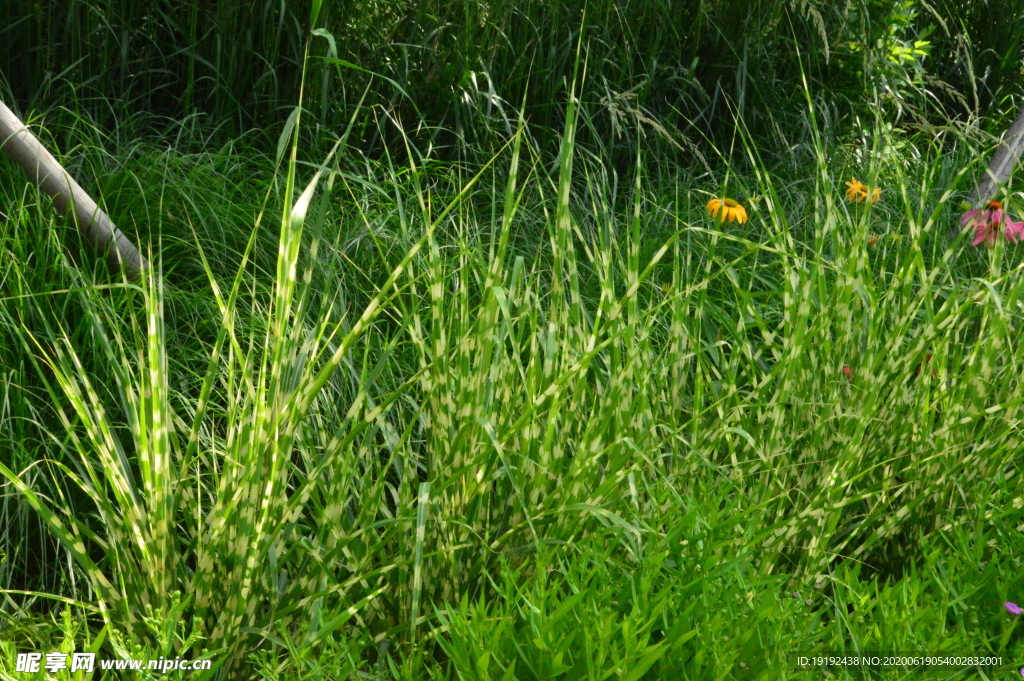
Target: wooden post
x=999, y=168
x=69, y=198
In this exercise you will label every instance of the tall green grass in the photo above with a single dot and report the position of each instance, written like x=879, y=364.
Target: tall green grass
x=518, y=419
x=457, y=65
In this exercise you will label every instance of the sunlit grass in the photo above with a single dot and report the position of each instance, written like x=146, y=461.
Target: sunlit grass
x=517, y=421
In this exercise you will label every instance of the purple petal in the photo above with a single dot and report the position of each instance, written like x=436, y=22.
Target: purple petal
x=1012, y=608
x=968, y=216
x=1014, y=230
x=982, y=233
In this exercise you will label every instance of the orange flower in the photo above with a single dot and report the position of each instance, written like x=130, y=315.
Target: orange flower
x=858, y=192
x=727, y=210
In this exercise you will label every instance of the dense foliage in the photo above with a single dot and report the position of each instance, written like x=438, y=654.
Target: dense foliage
x=450, y=374
x=677, y=70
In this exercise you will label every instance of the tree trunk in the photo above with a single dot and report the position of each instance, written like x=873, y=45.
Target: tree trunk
x=69, y=198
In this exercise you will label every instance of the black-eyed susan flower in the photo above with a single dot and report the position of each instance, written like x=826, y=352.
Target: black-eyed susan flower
x=858, y=192
x=727, y=210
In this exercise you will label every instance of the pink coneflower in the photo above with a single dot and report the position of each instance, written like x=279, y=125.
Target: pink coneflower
x=989, y=221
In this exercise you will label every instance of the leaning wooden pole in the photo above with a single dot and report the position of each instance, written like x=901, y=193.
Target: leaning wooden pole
x=69, y=198
x=1000, y=167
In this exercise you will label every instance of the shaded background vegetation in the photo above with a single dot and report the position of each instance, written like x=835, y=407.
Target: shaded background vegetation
x=455, y=65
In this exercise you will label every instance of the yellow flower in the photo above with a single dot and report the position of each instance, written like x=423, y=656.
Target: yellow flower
x=727, y=210
x=857, y=191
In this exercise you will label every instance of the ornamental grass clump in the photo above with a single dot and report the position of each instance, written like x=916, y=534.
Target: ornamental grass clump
x=200, y=503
